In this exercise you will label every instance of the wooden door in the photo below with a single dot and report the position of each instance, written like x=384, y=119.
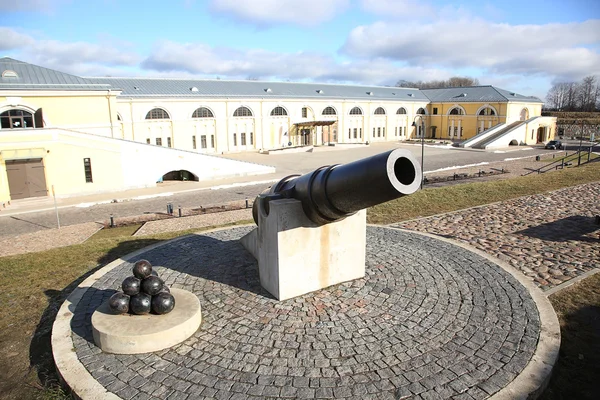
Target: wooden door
x=26, y=178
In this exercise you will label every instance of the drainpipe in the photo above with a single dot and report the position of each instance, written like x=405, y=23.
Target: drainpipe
x=131, y=116
x=112, y=128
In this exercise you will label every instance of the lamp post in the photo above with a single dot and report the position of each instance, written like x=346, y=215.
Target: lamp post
x=422, y=143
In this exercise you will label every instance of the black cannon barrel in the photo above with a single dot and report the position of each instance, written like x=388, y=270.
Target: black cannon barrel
x=334, y=192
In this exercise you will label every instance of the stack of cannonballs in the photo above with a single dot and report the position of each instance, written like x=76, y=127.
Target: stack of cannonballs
x=142, y=293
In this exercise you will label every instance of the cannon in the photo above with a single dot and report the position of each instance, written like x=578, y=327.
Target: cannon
x=311, y=229
x=333, y=192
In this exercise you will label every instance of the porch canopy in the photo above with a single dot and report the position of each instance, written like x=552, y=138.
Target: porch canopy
x=314, y=123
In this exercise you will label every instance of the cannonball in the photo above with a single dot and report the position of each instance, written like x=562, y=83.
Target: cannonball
x=152, y=285
x=142, y=269
x=163, y=303
x=140, y=304
x=131, y=285
x=165, y=289
x=119, y=302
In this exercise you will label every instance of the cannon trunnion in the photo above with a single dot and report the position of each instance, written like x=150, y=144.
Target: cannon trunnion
x=333, y=192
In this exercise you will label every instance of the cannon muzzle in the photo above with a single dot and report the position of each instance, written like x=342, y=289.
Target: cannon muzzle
x=336, y=191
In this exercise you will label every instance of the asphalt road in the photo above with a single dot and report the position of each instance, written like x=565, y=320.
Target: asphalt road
x=435, y=158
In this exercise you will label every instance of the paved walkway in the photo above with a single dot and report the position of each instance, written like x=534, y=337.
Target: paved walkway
x=550, y=237
x=430, y=320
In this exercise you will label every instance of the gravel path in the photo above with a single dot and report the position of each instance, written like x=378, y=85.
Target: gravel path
x=47, y=239
x=193, y=222
x=550, y=237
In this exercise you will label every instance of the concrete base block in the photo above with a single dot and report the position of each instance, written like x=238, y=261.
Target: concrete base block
x=295, y=256
x=135, y=334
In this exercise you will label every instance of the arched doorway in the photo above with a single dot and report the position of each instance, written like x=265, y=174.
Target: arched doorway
x=180, y=175
x=524, y=116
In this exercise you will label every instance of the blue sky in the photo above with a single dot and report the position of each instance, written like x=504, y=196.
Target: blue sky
x=523, y=46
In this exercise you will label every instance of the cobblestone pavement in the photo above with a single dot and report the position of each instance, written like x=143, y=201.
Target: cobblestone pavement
x=193, y=222
x=429, y=320
x=550, y=237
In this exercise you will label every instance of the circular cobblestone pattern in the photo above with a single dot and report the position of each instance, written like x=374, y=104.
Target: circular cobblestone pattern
x=429, y=320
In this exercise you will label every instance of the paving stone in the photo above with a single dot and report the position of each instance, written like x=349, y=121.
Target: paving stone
x=428, y=319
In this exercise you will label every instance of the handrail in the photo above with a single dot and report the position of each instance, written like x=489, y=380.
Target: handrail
x=545, y=168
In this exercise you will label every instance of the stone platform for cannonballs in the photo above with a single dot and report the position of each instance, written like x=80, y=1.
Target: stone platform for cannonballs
x=430, y=319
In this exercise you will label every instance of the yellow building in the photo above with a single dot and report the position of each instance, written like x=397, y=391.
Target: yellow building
x=91, y=135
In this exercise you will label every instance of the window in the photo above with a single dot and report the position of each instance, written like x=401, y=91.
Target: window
x=157, y=113
x=396, y=131
x=379, y=111
x=194, y=142
x=304, y=112
x=456, y=111
x=16, y=119
x=243, y=138
x=355, y=133
x=349, y=133
x=203, y=141
x=159, y=141
x=356, y=111
x=203, y=112
x=383, y=131
x=147, y=140
x=278, y=112
x=234, y=139
x=373, y=132
x=212, y=141
x=329, y=111
x=87, y=168
x=119, y=117
x=434, y=110
x=421, y=111
x=487, y=111
x=360, y=133
x=242, y=112
x=378, y=131
x=169, y=142
x=401, y=110
x=251, y=138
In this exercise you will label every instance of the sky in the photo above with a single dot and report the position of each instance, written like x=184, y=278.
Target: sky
x=522, y=46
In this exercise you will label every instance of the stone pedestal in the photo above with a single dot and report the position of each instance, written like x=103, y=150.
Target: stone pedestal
x=135, y=334
x=295, y=256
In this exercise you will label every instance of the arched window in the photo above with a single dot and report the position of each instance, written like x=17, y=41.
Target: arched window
x=278, y=112
x=356, y=111
x=329, y=111
x=203, y=112
x=456, y=111
x=524, y=114
x=16, y=119
x=379, y=111
x=242, y=112
x=119, y=117
x=157, y=113
x=421, y=111
x=487, y=111
x=401, y=110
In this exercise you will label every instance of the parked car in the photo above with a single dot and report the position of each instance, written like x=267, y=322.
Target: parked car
x=554, y=145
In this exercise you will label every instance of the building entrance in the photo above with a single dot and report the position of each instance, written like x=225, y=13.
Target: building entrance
x=26, y=178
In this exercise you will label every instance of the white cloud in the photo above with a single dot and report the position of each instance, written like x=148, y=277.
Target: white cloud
x=551, y=49
x=272, y=12
x=80, y=58
x=175, y=59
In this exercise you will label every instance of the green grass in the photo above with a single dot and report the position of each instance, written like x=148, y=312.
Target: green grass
x=107, y=233
x=34, y=285
x=571, y=158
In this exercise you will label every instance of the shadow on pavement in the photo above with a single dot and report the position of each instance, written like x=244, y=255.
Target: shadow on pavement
x=576, y=227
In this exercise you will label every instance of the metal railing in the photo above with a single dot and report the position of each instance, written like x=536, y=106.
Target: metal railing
x=568, y=160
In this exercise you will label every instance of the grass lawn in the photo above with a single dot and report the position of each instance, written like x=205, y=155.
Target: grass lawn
x=34, y=285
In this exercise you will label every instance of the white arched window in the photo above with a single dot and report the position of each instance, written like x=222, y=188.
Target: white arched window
x=421, y=111
x=329, y=111
x=203, y=112
x=278, y=112
x=157, y=113
x=487, y=111
x=16, y=119
x=401, y=110
x=242, y=112
x=379, y=111
x=356, y=111
x=456, y=111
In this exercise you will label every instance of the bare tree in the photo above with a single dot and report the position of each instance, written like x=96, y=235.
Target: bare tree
x=455, y=81
x=587, y=94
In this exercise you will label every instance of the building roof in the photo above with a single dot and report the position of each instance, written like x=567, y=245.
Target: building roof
x=19, y=75
x=189, y=88
x=476, y=94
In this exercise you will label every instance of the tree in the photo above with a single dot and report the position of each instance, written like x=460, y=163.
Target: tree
x=587, y=94
x=455, y=81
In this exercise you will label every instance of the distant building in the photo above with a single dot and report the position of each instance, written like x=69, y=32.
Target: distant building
x=89, y=135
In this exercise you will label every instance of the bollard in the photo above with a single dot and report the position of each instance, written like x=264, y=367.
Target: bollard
x=169, y=208
x=480, y=173
x=112, y=221
x=246, y=202
x=179, y=210
x=537, y=158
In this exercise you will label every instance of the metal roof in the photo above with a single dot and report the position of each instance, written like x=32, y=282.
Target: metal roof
x=20, y=75
x=475, y=94
x=190, y=88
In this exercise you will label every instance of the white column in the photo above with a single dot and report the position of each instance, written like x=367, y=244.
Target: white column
x=459, y=126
